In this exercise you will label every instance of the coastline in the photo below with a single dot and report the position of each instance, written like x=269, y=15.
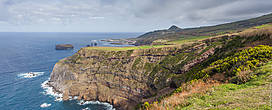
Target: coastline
x=51, y=91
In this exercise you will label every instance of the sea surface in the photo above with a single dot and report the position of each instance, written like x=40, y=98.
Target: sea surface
x=21, y=53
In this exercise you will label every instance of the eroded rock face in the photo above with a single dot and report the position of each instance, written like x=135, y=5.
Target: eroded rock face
x=123, y=78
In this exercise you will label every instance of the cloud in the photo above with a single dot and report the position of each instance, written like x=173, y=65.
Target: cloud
x=125, y=15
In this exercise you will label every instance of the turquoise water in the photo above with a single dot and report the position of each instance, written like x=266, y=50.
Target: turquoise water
x=35, y=52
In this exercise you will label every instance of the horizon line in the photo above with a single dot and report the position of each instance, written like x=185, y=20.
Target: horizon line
x=61, y=32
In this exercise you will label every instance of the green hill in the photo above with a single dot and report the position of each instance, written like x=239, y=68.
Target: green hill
x=174, y=33
x=236, y=76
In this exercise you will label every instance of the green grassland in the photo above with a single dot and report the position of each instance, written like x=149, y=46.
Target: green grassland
x=126, y=48
x=167, y=43
x=263, y=26
x=252, y=95
x=184, y=40
x=220, y=29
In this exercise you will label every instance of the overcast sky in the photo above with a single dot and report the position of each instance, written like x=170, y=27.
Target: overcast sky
x=123, y=15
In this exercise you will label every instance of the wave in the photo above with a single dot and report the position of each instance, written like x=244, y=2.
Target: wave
x=82, y=102
x=30, y=74
x=48, y=90
x=44, y=105
x=86, y=108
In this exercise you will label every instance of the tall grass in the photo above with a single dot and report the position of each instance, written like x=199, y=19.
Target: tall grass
x=264, y=32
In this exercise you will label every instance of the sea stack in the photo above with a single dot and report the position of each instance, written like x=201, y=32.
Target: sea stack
x=64, y=46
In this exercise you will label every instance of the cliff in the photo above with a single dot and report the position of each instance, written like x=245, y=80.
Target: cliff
x=124, y=78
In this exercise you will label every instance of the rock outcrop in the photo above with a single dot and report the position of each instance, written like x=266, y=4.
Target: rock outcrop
x=174, y=28
x=64, y=46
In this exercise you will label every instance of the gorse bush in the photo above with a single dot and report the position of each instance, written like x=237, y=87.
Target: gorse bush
x=240, y=63
x=146, y=105
x=244, y=60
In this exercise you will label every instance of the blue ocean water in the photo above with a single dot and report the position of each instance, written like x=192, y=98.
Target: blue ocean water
x=35, y=52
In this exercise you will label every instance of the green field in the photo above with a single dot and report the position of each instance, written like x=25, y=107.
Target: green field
x=263, y=26
x=127, y=48
x=184, y=40
x=181, y=40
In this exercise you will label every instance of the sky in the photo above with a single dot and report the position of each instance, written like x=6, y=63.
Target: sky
x=123, y=15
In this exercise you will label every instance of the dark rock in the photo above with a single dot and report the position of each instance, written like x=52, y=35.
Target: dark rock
x=174, y=28
x=64, y=46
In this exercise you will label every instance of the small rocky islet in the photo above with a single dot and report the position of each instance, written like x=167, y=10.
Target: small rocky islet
x=64, y=46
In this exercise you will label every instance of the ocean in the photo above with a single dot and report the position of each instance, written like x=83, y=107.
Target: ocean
x=22, y=53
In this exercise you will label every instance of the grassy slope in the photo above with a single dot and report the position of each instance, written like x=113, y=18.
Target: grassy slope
x=263, y=26
x=255, y=36
x=127, y=48
x=183, y=40
x=179, y=41
x=205, y=31
x=195, y=34
x=251, y=95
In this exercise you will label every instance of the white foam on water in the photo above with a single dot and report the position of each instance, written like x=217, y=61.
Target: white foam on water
x=48, y=90
x=44, y=105
x=76, y=97
x=30, y=74
x=86, y=108
x=109, y=106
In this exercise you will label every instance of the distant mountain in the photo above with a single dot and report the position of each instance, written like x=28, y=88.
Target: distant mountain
x=147, y=38
x=175, y=32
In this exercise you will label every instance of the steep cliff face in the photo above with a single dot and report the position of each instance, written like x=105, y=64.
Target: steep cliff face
x=124, y=78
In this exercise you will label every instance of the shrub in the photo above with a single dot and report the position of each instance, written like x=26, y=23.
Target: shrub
x=178, y=90
x=146, y=105
x=240, y=63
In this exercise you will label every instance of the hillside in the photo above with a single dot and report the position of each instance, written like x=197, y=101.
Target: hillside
x=239, y=74
x=178, y=33
x=127, y=76
x=252, y=95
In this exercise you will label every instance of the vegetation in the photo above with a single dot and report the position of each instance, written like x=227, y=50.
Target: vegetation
x=241, y=60
x=146, y=105
x=253, y=95
x=200, y=95
x=227, y=28
x=183, y=40
x=127, y=48
x=240, y=64
x=263, y=26
x=237, y=58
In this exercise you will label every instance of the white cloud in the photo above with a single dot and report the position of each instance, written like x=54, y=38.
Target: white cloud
x=126, y=15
